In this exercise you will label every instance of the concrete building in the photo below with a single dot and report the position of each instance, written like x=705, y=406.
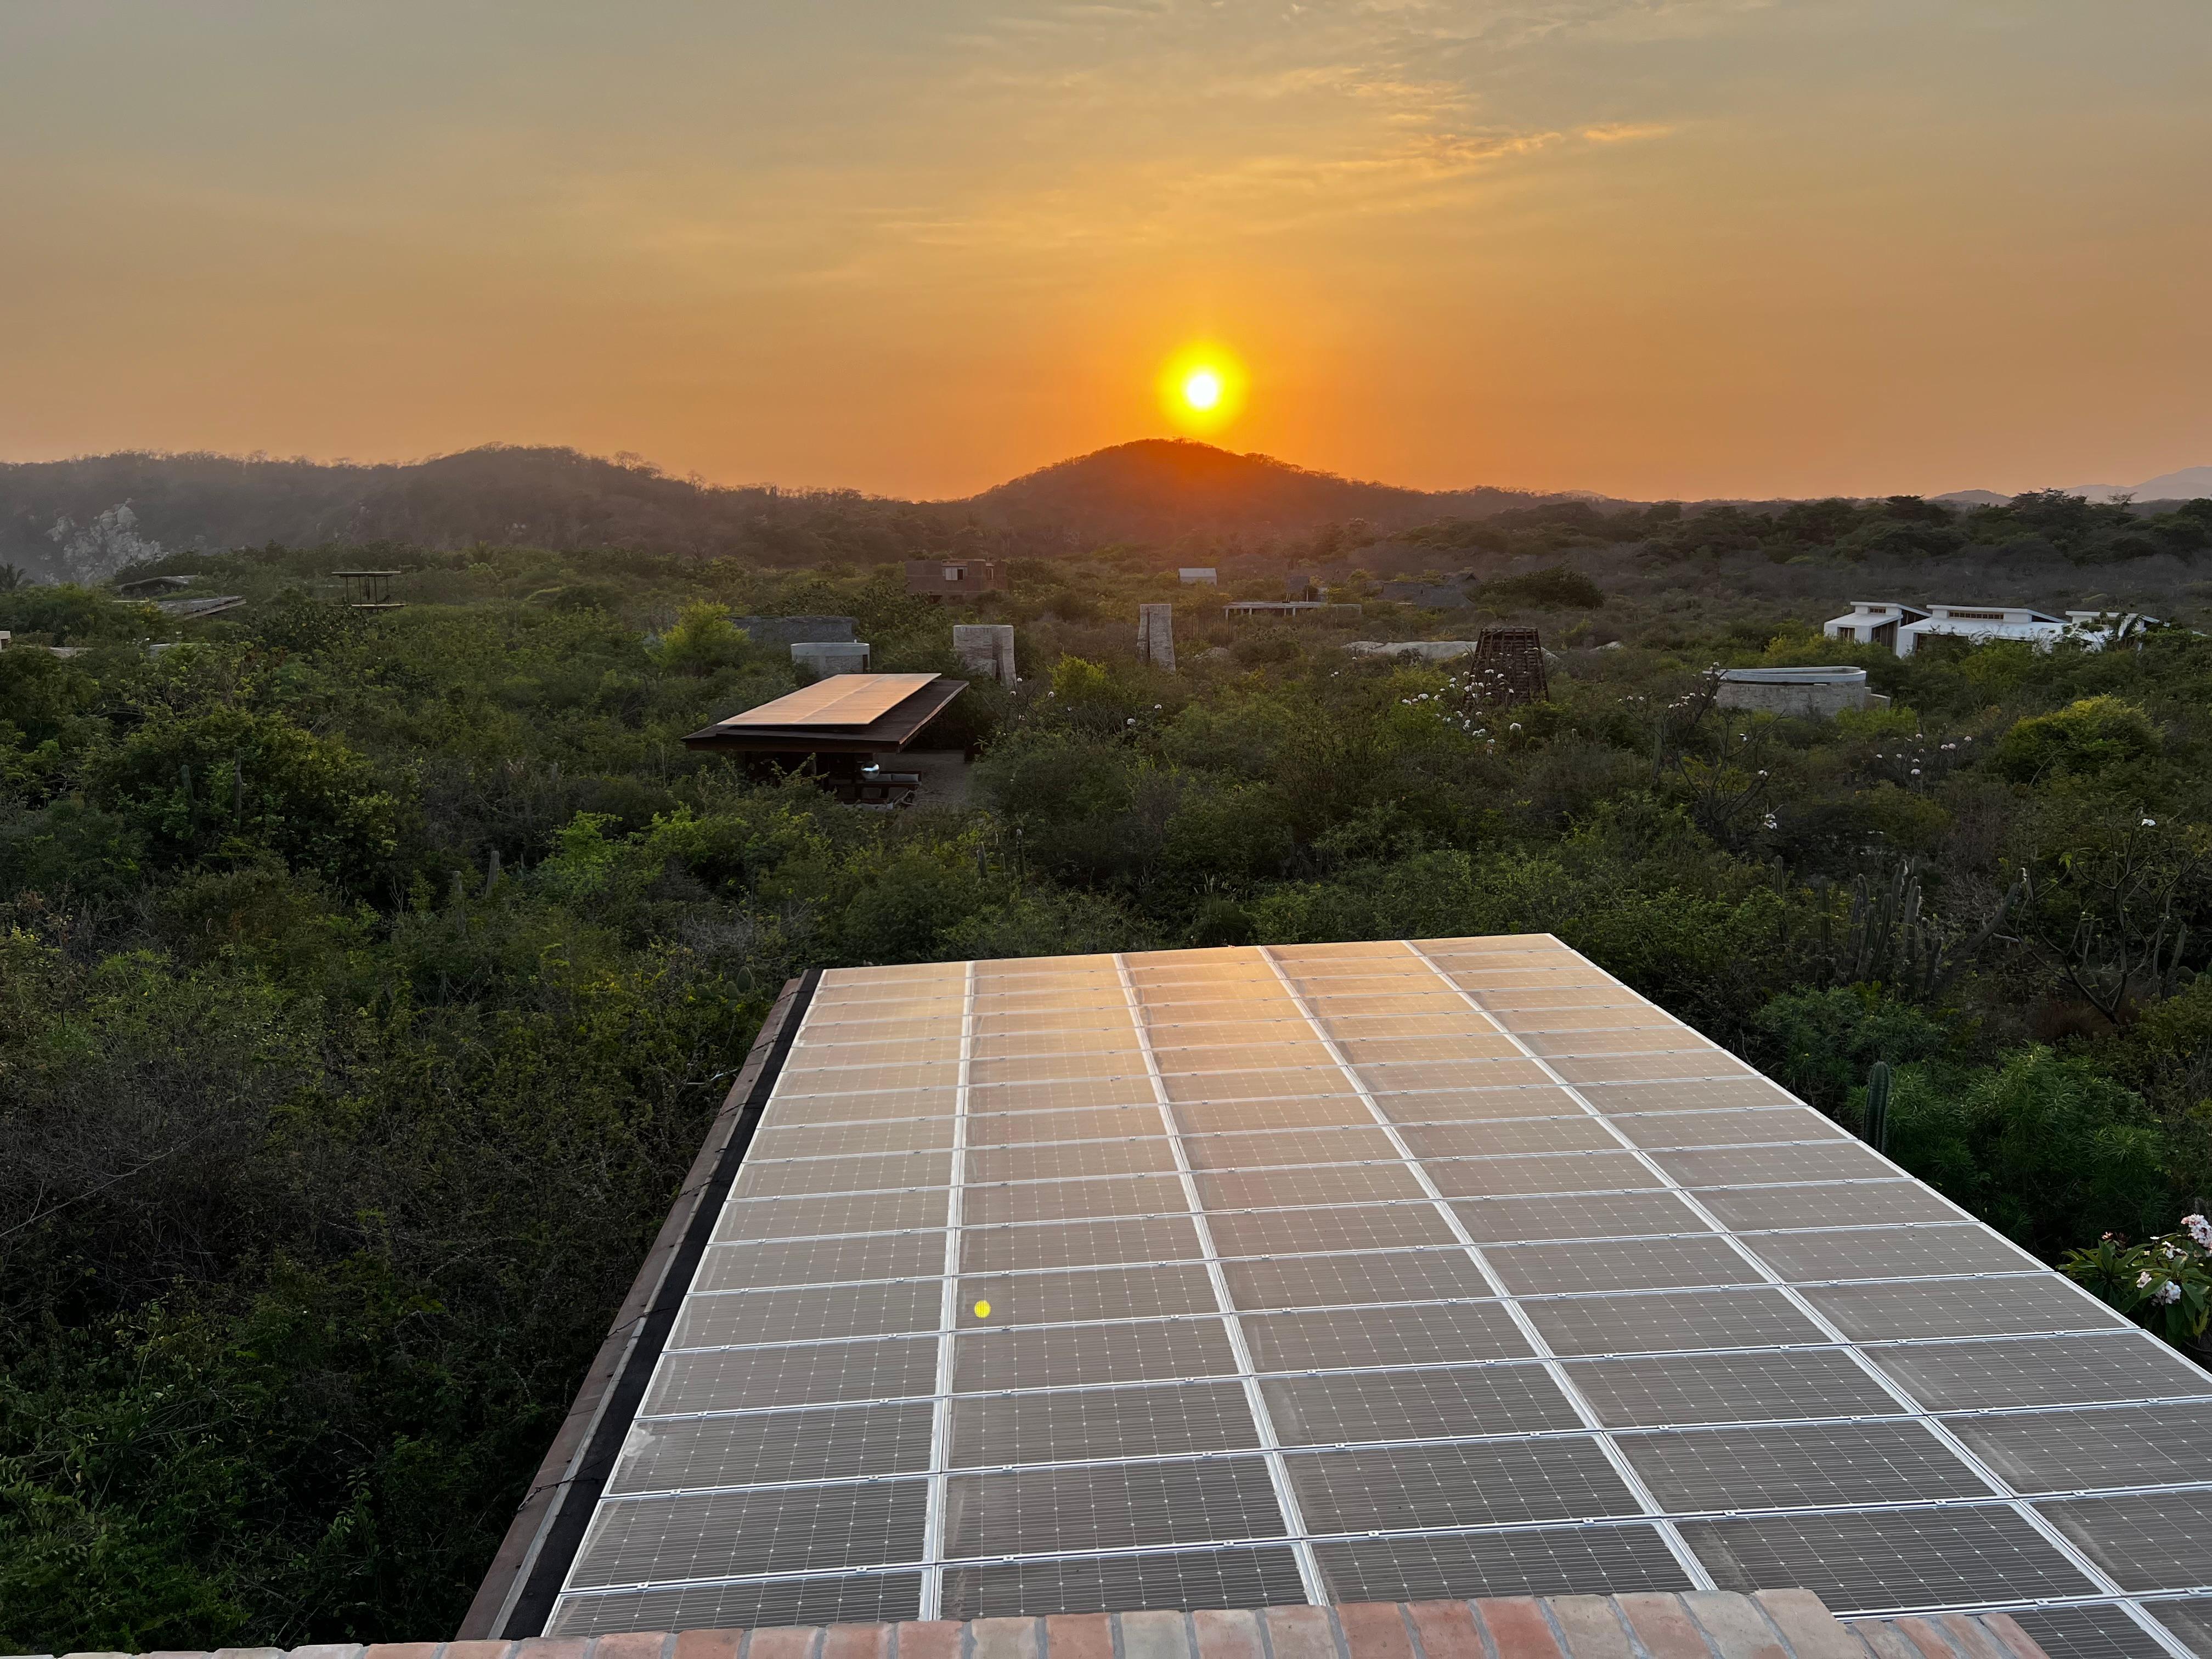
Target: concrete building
x=828, y=657
x=152, y=587
x=1903, y=627
x=1198, y=575
x=1808, y=691
x=1872, y=621
x=1244, y=610
x=1156, y=635
x=954, y=579
x=1417, y=650
x=985, y=649
x=1430, y=596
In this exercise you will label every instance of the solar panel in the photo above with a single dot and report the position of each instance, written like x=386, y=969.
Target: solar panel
x=1377, y=1271
x=840, y=700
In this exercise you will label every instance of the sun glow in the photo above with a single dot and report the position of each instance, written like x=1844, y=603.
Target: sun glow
x=1202, y=387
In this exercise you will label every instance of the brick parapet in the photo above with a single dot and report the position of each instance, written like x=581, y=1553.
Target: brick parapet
x=1770, y=1625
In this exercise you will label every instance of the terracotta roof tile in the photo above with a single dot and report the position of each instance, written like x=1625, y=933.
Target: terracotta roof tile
x=1709, y=1624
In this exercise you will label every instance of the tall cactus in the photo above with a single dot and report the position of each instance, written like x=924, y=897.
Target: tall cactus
x=1877, y=1106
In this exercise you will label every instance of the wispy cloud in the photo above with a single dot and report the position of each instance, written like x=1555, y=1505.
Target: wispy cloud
x=1628, y=132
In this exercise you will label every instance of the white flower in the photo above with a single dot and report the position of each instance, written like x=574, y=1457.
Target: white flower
x=2198, y=1229
x=1916, y=771
x=2166, y=1293
x=2150, y=824
x=2143, y=1280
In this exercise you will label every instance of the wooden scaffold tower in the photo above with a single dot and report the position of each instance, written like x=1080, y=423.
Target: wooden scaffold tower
x=369, y=590
x=1508, y=666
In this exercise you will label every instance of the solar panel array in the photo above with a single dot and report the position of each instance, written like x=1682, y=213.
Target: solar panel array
x=1377, y=1271
x=839, y=700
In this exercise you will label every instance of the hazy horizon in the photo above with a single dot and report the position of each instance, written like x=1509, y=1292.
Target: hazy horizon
x=1650, y=248
x=801, y=486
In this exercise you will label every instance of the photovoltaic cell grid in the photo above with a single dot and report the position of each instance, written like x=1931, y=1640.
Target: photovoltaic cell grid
x=1375, y=1271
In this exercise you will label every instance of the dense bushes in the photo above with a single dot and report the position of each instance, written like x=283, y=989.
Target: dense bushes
x=365, y=986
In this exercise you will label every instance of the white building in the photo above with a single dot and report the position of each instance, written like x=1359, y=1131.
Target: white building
x=1876, y=622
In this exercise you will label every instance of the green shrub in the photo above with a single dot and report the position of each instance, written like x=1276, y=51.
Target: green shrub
x=2050, y=1150
x=1819, y=1043
x=2083, y=739
x=1557, y=587
x=703, y=640
x=230, y=780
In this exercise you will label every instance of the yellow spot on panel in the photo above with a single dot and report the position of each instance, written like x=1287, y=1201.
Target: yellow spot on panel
x=982, y=1310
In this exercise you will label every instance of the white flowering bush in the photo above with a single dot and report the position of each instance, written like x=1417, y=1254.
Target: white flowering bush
x=2164, y=1283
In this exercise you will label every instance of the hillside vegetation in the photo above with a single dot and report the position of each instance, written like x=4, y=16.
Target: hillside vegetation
x=559, y=499
x=367, y=983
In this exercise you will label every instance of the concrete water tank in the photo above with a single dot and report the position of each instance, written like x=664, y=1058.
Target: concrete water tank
x=1805, y=691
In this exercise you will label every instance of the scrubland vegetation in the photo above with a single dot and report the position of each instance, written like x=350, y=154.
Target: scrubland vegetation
x=366, y=982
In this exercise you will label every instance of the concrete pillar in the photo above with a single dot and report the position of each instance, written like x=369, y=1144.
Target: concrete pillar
x=1156, y=635
x=985, y=649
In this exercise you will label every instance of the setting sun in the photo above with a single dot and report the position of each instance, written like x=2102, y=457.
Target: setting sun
x=1202, y=387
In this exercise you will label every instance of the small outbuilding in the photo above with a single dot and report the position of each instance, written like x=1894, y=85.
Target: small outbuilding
x=954, y=579
x=823, y=658
x=985, y=649
x=838, y=727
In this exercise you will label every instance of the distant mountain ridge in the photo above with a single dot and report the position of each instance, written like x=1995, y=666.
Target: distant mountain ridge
x=2189, y=484
x=555, y=498
x=1154, y=490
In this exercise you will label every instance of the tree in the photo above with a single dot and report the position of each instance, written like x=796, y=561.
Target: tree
x=2111, y=904
x=703, y=640
x=2089, y=739
x=218, y=784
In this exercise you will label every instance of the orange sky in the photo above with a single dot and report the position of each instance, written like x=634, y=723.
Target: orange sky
x=1653, y=247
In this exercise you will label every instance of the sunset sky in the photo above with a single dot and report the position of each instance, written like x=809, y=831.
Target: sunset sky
x=1679, y=247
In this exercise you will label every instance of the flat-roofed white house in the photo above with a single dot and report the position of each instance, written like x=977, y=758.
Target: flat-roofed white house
x=1875, y=622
